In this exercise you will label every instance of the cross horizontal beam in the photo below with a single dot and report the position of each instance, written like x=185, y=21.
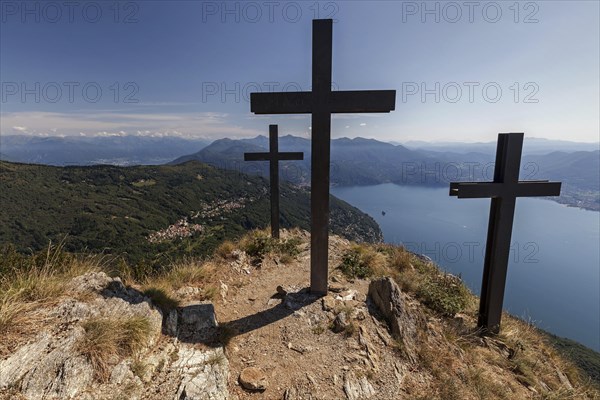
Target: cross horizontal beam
x=348, y=101
x=363, y=101
x=268, y=156
x=281, y=103
x=478, y=190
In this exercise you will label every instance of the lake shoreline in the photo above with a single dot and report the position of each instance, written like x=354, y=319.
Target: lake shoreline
x=594, y=207
x=437, y=226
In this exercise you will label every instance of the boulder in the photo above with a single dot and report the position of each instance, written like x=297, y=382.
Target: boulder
x=403, y=320
x=204, y=374
x=341, y=322
x=253, y=378
x=328, y=303
x=47, y=368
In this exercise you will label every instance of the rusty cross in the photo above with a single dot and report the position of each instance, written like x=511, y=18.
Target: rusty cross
x=273, y=156
x=503, y=191
x=321, y=102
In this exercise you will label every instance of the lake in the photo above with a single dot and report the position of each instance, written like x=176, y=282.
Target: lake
x=554, y=269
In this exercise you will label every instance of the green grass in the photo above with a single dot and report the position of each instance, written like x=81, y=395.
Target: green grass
x=441, y=292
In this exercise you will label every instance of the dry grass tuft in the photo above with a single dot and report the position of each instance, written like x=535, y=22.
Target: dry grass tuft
x=110, y=338
x=216, y=359
x=161, y=288
x=225, y=250
x=29, y=283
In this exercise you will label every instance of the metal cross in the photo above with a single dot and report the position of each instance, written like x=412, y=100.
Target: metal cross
x=273, y=156
x=504, y=191
x=321, y=103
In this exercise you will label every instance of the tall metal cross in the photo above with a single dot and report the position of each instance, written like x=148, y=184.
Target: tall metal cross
x=504, y=191
x=321, y=103
x=274, y=156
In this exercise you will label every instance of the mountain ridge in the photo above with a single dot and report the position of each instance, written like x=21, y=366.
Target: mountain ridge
x=360, y=162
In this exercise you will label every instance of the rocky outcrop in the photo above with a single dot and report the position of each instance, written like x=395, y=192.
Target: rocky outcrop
x=53, y=366
x=362, y=340
x=402, y=319
x=204, y=374
x=357, y=388
x=47, y=368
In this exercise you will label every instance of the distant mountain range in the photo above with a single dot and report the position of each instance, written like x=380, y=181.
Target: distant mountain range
x=357, y=161
x=112, y=150
x=362, y=161
x=530, y=146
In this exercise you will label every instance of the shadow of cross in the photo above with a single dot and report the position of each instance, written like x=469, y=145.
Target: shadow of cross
x=197, y=323
x=290, y=303
x=503, y=191
x=321, y=103
x=273, y=156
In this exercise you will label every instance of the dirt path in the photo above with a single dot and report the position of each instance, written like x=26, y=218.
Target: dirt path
x=289, y=337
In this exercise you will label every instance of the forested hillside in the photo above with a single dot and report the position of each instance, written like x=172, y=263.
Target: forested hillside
x=149, y=213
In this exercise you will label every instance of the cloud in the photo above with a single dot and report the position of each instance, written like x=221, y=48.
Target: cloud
x=357, y=116
x=109, y=122
x=363, y=124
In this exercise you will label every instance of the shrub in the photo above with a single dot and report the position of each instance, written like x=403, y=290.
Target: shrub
x=399, y=259
x=444, y=293
x=289, y=247
x=258, y=244
x=184, y=273
x=160, y=288
x=362, y=262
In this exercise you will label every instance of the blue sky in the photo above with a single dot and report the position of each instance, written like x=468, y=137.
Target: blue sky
x=462, y=71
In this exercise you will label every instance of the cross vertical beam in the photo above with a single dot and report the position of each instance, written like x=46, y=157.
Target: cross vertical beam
x=274, y=180
x=321, y=103
x=503, y=191
x=320, y=155
x=497, y=250
x=273, y=156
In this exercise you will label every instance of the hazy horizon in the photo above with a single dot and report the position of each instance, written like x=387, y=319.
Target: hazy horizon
x=203, y=138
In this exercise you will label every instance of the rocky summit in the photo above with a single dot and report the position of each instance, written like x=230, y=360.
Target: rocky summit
x=243, y=325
